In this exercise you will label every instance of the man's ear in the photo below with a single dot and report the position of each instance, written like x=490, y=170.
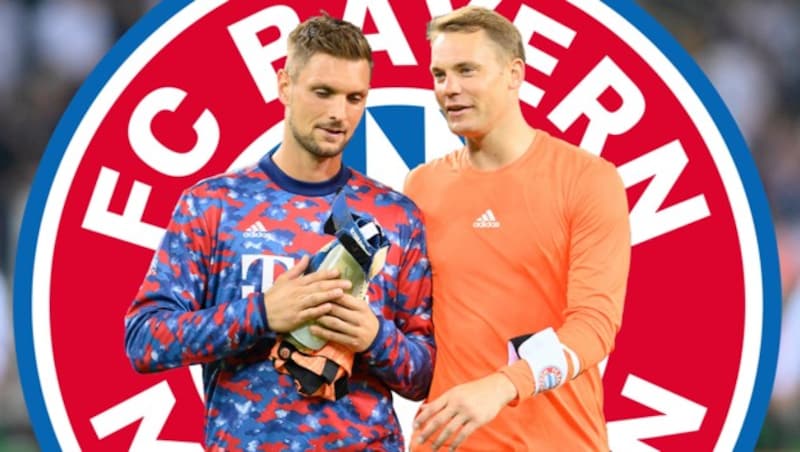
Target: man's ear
x=284, y=85
x=517, y=71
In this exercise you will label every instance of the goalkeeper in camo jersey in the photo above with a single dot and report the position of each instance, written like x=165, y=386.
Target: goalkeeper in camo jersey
x=214, y=294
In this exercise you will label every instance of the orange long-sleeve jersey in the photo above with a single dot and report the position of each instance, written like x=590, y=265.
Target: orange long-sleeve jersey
x=541, y=242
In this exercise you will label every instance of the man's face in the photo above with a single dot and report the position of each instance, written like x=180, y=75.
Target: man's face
x=324, y=102
x=471, y=81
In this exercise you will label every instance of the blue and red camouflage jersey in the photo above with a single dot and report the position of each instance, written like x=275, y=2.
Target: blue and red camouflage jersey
x=201, y=302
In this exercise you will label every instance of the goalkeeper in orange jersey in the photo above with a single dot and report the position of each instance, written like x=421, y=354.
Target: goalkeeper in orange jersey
x=529, y=242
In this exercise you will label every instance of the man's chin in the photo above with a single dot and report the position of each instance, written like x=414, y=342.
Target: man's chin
x=461, y=129
x=328, y=151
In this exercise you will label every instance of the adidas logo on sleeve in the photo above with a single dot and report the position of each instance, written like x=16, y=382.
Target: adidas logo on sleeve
x=487, y=220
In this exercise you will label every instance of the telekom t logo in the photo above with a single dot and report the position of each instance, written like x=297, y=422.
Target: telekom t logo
x=262, y=266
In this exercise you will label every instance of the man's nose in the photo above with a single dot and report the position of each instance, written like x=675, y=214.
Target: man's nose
x=337, y=108
x=451, y=85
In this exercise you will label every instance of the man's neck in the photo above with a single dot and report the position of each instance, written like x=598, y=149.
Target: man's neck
x=502, y=145
x=304, y=166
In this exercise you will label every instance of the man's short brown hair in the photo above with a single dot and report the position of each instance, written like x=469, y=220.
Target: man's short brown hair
x=470, y=19
x=328, y=35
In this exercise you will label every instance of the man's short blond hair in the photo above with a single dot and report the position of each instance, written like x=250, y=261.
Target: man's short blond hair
x=328, y=35
x=470, y=19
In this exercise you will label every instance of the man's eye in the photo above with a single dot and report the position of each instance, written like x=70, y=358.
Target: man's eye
x=322, y=93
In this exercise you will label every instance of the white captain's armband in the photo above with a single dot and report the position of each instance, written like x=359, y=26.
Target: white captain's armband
x=545, y=356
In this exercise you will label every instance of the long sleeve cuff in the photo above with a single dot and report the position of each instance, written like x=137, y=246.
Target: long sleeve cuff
x=377, y=352
x=521, y=376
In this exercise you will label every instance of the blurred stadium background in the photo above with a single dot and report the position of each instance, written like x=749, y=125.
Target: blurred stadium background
x=749, y=49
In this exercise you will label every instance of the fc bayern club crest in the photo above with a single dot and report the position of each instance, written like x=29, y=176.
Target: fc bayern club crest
x=190, y=91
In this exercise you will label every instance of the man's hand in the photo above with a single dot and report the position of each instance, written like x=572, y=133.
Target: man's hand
x=349, y=322
x=295, y=298
x=463, y=409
